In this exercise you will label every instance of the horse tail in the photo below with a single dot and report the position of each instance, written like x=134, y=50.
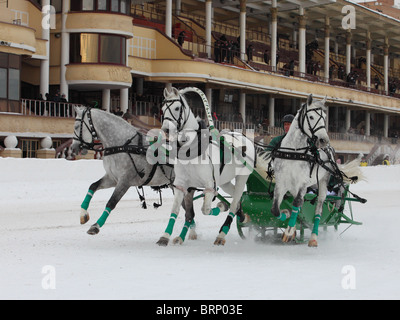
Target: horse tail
x=352, y=172
x=263, y=164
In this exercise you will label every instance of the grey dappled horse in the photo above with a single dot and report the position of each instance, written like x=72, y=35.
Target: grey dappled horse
x=124, y=159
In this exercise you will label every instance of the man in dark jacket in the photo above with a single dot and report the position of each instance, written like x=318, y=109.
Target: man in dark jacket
x=275, y=142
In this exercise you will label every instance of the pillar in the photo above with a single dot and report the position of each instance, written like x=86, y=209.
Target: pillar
x=367, y=123
x=208, y=27
x=168, y=18
x=348, y=51
x=348, y=119
x=242, y=29
x=106, y=100
x=178, y=7
x=302, y=42
x=124, y=99
x=386, y=64
x=242, y=106
x=64, y=49
x=45, y=64
x=386, y=125
x=327, y=41
x=274, y=35
x=368, y=62
x=271, y=111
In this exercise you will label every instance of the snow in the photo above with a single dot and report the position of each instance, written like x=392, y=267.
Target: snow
x=46, y=254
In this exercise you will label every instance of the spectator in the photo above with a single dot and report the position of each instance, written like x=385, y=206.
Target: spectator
x=386, y=160
x=377, y=82
x=181, y=38
x=249, y=52
x=266, y=57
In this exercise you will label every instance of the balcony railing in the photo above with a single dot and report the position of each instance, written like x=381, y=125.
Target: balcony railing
x=48, y=108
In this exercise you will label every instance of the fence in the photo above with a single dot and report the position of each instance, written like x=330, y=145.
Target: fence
x=48, y=108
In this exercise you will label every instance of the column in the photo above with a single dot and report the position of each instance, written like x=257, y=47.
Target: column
x=271, y=111
x=124, y=99
x=386, y=64
x=178, y=7
x=44, y=64
x=367, y=123
x=327, y=53
x=348, y=51
x=243, y=29
x=348, y=119
x=302, y=41
x=208, y=27
x=368, y=62
x=106, y=100
x=64, y=49
x=168, y=18
x=385, y=125
x=274, y=34
x=242, y=106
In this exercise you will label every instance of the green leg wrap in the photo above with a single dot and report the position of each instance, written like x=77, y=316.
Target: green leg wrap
x=171, y=223
x=215, y=211
x=104, y=216
x=293, y=217
x=316, y=224
x=185, y=230
x=88, y=198
x=227, y=225
x=193, y=225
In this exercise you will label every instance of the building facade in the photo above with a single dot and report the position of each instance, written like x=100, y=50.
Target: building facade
x=256, y=61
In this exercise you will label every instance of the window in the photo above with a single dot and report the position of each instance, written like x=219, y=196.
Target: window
x=95, y=48
x=10, y=80
x=102, y=5
x=29, y=148
x=13, y=84
x=112, y=50
x=118, y=6
x=3, y=83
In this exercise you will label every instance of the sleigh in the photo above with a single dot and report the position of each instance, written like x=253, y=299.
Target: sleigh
x=256, y=204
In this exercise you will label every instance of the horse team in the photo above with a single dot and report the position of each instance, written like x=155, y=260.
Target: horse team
x=207, y=160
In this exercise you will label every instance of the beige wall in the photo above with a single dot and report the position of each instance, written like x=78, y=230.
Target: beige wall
x=24, y=124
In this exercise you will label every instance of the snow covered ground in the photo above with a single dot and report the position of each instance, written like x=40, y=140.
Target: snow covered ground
x=46, y=254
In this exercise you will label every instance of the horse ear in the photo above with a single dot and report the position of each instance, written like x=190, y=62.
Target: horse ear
x=175, y=91
x=166, y=92
x=324, y=100
x=309, y=100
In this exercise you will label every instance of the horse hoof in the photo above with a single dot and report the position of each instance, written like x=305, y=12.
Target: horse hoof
x=192, y=236
x=313, y=243
x=177, y=240
x=223, y=206
x=289, y=234
x=94, y=229
x=163, y=242
x=84, y=216
x=219, y=242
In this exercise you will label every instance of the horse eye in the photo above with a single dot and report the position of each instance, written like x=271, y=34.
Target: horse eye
x=177, y=108
x=311, y=118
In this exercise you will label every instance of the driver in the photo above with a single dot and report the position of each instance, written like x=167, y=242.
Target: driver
x=275, y=142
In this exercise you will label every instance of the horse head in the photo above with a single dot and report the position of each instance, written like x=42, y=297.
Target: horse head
x=312, y=121
x=84, y=132
x=177, y=115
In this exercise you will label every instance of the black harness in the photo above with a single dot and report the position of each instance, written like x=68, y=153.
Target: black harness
x=127, y=147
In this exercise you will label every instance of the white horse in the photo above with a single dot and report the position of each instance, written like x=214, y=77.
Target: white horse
x=124, y=159
x=215, y=165
x=304, y=159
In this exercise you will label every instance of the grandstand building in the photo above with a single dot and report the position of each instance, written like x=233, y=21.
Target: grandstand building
x=255, y=60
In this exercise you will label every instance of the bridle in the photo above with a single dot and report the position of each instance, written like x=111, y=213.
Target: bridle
x=304, y=116
x=90, y=127
x=182, y=117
